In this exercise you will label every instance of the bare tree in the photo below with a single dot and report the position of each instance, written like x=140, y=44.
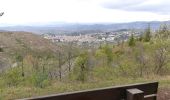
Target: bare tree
x=70, y=55
x=2, y=13
x=141, y=59
x=60, y=65
x=163, y=32
x=161, y=59
x=20, y=58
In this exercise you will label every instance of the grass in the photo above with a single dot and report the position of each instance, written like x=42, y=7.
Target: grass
x=60, y=87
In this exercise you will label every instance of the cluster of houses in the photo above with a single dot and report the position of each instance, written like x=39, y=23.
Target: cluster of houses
x=92, y=38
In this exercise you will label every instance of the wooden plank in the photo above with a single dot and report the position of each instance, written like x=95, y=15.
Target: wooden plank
x=110, y=93
x=150, y=97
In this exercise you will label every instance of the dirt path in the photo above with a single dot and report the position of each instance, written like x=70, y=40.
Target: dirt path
x=164, y=94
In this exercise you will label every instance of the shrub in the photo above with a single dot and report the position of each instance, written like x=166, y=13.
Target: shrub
x=40, y=79
x=1, y=49
x=13, y=77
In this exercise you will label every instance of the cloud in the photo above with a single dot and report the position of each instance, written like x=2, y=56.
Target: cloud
x=83, y=11
x=154, y=6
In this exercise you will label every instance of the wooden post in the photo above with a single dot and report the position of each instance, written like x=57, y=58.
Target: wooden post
x=134, y=94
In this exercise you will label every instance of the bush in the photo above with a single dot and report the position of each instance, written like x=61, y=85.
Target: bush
x=40, y=79
x=1, y=49
x=13, y=77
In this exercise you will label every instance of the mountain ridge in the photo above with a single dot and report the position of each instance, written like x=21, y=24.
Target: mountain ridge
x=80, y=27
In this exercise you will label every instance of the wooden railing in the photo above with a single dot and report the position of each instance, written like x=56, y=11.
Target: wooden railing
x=142, y=91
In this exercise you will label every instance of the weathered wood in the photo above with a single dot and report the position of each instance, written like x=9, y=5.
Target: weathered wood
x=135, y=94
x=150, y=97
x=110, y=93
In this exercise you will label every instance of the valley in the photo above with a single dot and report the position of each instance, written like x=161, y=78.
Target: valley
x=33, y=65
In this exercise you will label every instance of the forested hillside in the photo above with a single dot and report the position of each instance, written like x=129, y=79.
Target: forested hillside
x=49, y=70
x=13, y=44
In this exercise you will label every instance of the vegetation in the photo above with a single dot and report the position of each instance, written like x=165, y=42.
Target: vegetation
x=63, y=70
x=1, y=49
x=131, y=41
x=147, y=34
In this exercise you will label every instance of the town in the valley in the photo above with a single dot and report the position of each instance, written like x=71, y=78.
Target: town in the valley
x=111, y=37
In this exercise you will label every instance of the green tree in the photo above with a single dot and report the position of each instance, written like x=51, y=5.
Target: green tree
x=131, y=41
x=81, y=66
x=105, y=52
x=108, y=52
x=147, y=34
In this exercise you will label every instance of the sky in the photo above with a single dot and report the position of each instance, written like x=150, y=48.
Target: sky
x=83, y=11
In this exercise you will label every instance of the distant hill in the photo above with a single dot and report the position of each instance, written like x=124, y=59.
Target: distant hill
x=58, y=28
x=12, y=42
x=16, y=40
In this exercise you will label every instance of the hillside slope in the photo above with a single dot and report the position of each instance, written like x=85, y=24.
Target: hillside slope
x=12, y=42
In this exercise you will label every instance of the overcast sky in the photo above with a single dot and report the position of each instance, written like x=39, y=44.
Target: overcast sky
x=83, y=11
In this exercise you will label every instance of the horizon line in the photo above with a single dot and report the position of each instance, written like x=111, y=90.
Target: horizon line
x=74, y=23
